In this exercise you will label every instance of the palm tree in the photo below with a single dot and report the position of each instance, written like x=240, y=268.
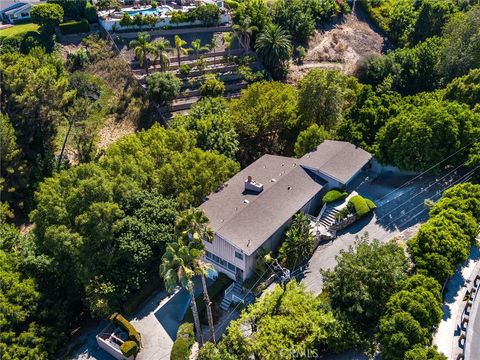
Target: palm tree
x=142, y=47
x=274, y=48
x=179, y=266
x=192, y=225
x=160, y=47
x=197, y=47
x=179, y=45
x=243, y=31
x=227, y=40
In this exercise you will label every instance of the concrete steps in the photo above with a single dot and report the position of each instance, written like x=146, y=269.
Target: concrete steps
x=328, y=217
x=238, y=291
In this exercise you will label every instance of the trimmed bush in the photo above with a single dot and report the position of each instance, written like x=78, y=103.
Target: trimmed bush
x=133, y=334
x=361, y=205
x=129, y=348
x=334, y=195
x=184, y=342
x=74, y=27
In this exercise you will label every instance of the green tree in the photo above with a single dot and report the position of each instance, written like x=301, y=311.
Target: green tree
x=274, y=48
x=279, y=323
x=364, y=279
x=325, y=95
x=198, y=48
x=212, y=126
x=20, y=335
x=142, y=48
x=47, y=16
x=179, y=46
x=296, y=18
x=421, y=136
x=12, y=169
x=192, y=226
x=401, y=21
x=399, y=333
x=432, y=17
x=461, y=44
x=227, y=41
x=465, y=89
x=179, y=264
x=160, y=49
x=243, y=31
x=266, y=119
x=419, y=352
x=163, y=87
x=299, y=242
x=212, y=86
x=309, y=139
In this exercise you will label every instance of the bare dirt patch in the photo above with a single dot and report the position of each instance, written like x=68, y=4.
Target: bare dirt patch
x=114, y=130
x=341, y=46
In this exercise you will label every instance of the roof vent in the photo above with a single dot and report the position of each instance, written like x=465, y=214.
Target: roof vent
x=246, y=201
x=252, y=185
x=289, y=188
x=273, y=180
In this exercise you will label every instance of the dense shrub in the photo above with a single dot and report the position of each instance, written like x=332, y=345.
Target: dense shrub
x=90, y=13
x=212, y=86
x=129, y=348
x=465, y=89
x=163, y=87
x=334, y=195
x=361, y=205
x=74, y=27
x=183, y=344
x=133, y=334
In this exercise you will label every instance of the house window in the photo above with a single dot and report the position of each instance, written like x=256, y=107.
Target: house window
x=231, y=267
x=238, y=255
x=25, y=14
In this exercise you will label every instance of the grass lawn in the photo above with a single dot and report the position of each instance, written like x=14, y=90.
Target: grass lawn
x=18, y=29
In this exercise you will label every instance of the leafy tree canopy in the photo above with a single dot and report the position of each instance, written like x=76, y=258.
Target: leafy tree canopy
x=363, y=280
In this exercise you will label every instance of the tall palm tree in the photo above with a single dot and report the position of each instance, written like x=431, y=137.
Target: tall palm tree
x=274, y=48
x=197, y=47
x=142, y=47
x=213, y=46
x=160, y=47
x=227, y=41
x=243, y=31
x=192, y=226
x=179, y=45
x=179, y=266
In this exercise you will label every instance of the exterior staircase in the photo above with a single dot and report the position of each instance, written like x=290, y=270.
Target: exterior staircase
x=328, y=217
x=235, y=294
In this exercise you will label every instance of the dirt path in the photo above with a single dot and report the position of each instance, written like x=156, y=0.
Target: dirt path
x=341, y=46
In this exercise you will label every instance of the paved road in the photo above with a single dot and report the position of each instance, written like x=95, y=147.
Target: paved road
x=398, y=209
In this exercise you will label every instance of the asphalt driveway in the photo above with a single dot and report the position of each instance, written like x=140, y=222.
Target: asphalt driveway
x=400, y=205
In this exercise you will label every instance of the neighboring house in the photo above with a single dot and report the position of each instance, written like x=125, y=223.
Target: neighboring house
x=254, y=208
x=14, y=12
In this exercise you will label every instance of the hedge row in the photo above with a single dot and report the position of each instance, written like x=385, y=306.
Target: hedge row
x=334, y=195
x=184, y=342
x=133, y=334
x=74, y=27
x=444, y=241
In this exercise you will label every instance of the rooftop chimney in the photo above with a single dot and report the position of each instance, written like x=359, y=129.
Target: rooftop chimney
x=252, y=185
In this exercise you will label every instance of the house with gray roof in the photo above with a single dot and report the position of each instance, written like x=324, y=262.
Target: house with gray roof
x=16, y=11
x=253, y=209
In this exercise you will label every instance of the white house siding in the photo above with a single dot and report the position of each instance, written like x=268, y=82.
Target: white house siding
x=226, y=251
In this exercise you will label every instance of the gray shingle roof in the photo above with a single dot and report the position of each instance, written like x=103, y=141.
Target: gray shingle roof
x=248, y=219
x=337, y=159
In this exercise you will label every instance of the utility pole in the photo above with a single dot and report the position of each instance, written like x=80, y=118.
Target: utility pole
x=285, y=273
